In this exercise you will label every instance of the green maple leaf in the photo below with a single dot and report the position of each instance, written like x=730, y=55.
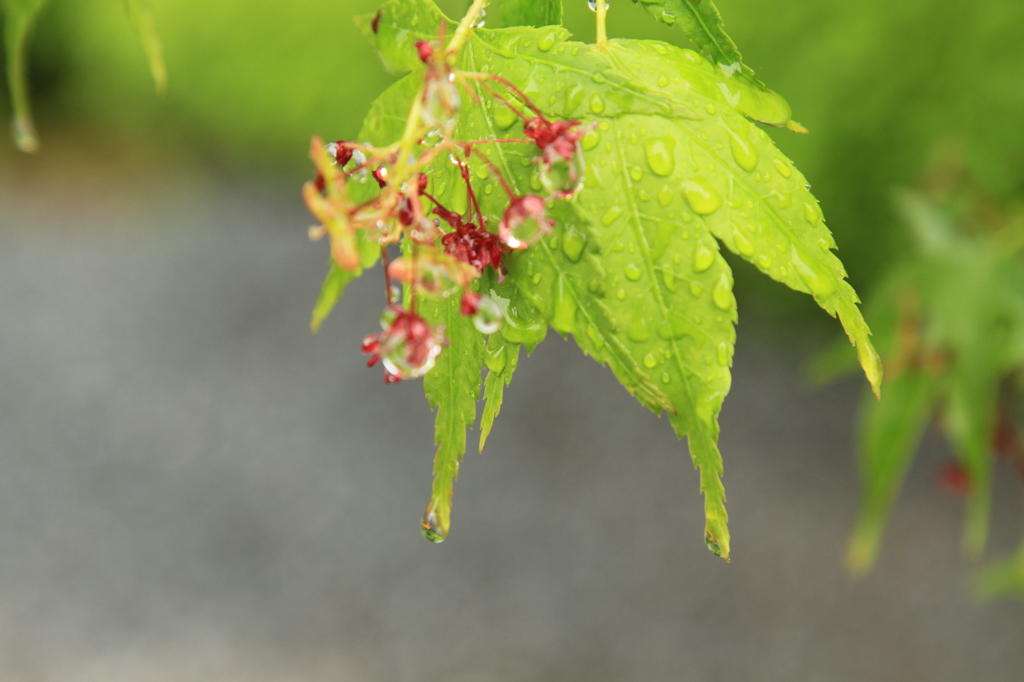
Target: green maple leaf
x=528, y=12
x=632, y=269
x=702, y=24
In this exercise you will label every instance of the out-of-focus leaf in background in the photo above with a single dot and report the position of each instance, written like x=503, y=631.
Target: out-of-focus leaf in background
x=949, y=321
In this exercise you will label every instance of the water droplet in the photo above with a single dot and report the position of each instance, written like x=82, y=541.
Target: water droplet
x=621, y=294
x=665, y=195
x=632, y=272
x=702, y=197
x=573, y=242
x=660, y=49
x=784, y=169
x=696, y=289
x=488, y=189
x=636, y=173
x=590, y=140
x=638, y=331
x=663, y=80
x=784, y=199
x=482, y=172
x=665, y=378
x=599, y=78
x=710, y=108
x=744, y=152
x=537, y=278
x=546, y=42
x=814, y=275
x=496, y=358
x=722, y=293
x=764, y=261
x=811, y=212
x=564, y=318
x=487, y=318
x=610, y=215
x=703, y=257
x=743, y=245
x=712, y=544
x=430, y=526
x=596, y=104
x=644, y=195
x=723, y=355
x=650, y=362
x=661, y=155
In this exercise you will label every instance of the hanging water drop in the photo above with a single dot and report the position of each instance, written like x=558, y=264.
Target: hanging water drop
x=431, y=527
x=487, y=318
x=712, y=544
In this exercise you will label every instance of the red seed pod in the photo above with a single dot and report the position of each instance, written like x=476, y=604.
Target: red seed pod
x=470, y=303
x=561, y=158
x=380, y=174
x=425, y=50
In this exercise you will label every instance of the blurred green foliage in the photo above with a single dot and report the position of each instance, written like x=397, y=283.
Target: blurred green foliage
x=877, y=83
x=949, y=323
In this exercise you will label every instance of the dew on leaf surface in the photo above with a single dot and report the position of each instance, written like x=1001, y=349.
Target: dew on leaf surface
x=783, y=168
x=722, y=293
x=638, y=331
x=702, y=197
x=703, y=257
x=573, y=243
x=743, y=244
x=743, y=152
x=660, y=152
x=610, y=215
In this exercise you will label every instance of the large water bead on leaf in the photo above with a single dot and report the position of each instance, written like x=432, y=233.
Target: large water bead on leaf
x=562, y=176
x=483, y=310
x=525, y=222
x=408, y=346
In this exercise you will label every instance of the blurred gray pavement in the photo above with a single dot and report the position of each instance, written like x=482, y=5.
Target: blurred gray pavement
x=193, y=487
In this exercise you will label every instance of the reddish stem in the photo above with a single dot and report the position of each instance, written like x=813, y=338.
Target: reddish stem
x=387, y=275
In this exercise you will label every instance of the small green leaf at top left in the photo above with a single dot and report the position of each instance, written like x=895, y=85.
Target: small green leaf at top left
x=19, y=19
